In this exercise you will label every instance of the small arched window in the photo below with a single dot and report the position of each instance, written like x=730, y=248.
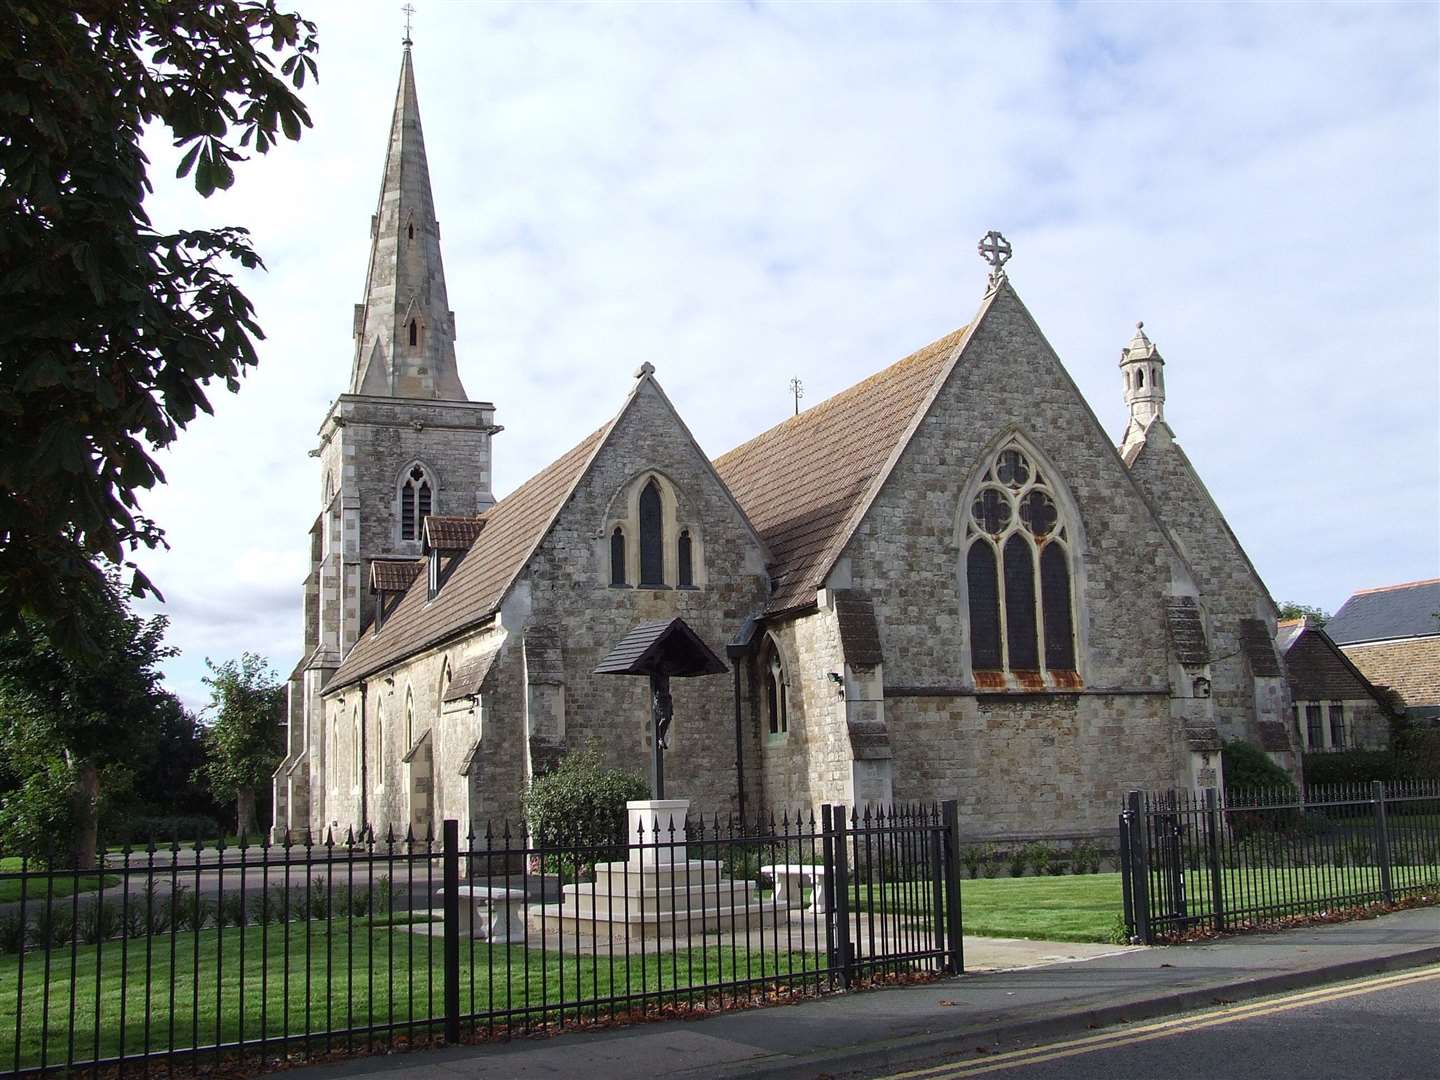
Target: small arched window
x=415, y=501
x=445, y=676
x=1018, y=573
x=414, y=332
x=1139, y=372
x=381, y=754
x=355, y=743
x=777, y=704
x=686, y=561
x=617, y=556
x=410, y=235
x=652, y=536
x=409, y=719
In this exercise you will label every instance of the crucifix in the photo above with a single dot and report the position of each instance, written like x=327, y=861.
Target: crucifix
x=995, y=250
x=797, y=388
x=408, y=9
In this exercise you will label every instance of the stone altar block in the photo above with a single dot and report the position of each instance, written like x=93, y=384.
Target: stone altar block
x=650, y=822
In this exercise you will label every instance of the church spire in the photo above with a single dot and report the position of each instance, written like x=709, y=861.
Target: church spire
x=405, y=330
x=1143, y=369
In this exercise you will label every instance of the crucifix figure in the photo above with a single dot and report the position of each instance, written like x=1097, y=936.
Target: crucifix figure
x=408, y=9
x=662, y=711
x=995, y=250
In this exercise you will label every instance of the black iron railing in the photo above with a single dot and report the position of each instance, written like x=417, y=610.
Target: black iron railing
x=1254, y=858
x=267, y=953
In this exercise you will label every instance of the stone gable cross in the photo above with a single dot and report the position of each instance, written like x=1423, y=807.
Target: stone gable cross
x=995, y=250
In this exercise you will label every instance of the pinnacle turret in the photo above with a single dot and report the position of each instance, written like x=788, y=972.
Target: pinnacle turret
x=1143, y=369
x=404, y=330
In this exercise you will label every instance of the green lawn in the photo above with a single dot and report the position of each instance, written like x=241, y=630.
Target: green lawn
x=345, y=977
x=35, y=888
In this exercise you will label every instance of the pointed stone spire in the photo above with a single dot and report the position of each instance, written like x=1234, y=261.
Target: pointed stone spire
x=1143, y=369
x=405, y=330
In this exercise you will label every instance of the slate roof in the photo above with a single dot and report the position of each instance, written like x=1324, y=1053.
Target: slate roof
x=394, y=575
x=1394, y=611
x=451, y=533
x=661, y=646
x=1259, y=650
x=802, y=482
x=512, y=529
x=1316, y=668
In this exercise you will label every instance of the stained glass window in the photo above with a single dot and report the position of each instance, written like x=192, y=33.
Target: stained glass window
x=1018, y=561
x=652, y=537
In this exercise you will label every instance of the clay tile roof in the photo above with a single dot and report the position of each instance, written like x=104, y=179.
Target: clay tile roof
x=393, y=575
x=470, y=674
x=451, y=533
x=512, y=528
x=1317, y=670
x=1255, y=643
x=801, y=482
x=1394, y=611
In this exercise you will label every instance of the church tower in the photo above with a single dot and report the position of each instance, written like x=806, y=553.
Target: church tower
x=1143, y=370
x=403, y=441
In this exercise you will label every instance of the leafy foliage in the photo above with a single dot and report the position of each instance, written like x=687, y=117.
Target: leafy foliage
x=76, y=725
x=580, y=805
x=243, y=742
x=112, y=330
x=1289, y=609
x=1248, y=768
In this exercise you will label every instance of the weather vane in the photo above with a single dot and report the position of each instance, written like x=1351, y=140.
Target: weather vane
x=995, y=250
x=408, y=9
x=798, y=389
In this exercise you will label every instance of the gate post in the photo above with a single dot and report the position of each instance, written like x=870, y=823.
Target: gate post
x=1140, y=866
x=1212, y=839
x=842, y=894
x=827, y=854
x=953, y=925
x=1382, y=840
x=451, y=841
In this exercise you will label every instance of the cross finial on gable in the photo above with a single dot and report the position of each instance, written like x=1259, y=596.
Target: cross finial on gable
x=995, y=250
x=409, y=10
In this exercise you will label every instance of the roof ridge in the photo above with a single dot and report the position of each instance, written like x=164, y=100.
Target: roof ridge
x=1393, y=588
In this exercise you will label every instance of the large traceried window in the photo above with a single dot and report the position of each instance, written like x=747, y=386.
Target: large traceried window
x=651, y=538
x=416, y=496
x=1018, y=570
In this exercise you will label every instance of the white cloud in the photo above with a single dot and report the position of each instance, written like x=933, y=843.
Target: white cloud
x=739, y=194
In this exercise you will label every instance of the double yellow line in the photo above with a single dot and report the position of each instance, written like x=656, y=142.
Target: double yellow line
x=1165, y=1028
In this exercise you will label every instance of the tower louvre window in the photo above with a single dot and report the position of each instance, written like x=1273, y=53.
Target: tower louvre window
x=652, y=536
x=416, y=497
x=1018, y=572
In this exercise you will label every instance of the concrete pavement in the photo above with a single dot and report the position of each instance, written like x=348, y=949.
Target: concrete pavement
x=890, y=1027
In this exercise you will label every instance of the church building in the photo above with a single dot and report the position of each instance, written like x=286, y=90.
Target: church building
x=946, y=582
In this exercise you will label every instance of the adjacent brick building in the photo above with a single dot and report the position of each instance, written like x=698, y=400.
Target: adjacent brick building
x=1336, y=706
x=944, y=582
x=1392, y=634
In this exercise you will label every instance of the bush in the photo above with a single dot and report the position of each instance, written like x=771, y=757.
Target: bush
x=12, y=932
x=1248, y=768
x=579, y=807
x=1039, y=857
x=972, y=857
x=1354, y=767
x=1018, y=859
x=1085, y=858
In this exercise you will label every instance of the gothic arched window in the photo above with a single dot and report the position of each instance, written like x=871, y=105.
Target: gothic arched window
x=1018, y=571
x=355, y=743
x=777, y=703
x=686, y=561
x=415, y=502
x=617, y=556
x=409, y=719
x=414, y=332
x=652, y=536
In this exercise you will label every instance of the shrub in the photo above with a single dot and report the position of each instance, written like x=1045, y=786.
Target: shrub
x=1017, y=861
x=1085, y=858
x=1248, y=768
x=972, y=857
x=579, y=808
x=1354, y=767
x=1038, y=857
x=98, y=921
x=12, y=932
x=53, y=926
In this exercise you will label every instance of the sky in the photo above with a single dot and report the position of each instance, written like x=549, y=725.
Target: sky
x=742, y=193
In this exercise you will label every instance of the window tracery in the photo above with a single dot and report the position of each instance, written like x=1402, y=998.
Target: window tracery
x=1018, y=570
x=777, y=695
x=649, y=539
x=416, y=499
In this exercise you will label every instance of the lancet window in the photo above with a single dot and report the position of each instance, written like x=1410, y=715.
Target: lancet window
x=777, y=696
x=649, y=540
x=1018, y=570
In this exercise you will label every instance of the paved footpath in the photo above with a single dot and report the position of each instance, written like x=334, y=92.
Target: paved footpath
x=825, y=1037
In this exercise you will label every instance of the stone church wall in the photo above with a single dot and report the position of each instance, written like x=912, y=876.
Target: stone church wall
x=1038, y=762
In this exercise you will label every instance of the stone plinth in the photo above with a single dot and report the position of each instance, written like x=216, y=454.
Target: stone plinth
x=656, y=831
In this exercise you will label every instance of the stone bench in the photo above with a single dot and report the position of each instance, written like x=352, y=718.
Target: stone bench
x=491, y=914
x=795, y=876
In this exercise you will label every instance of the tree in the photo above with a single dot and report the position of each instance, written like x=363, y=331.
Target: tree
x=243, y=744
x=67, y=724
x=1289, y=609
x=112, y=330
